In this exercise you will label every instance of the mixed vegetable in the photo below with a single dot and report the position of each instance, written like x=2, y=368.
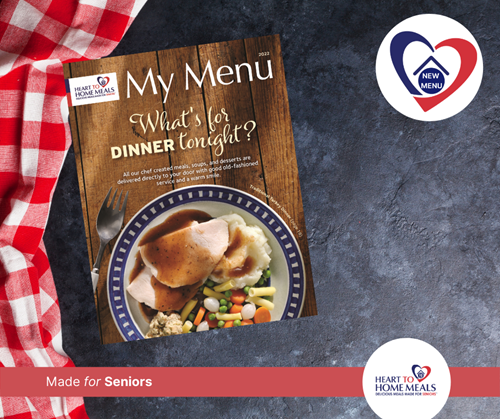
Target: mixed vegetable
x=218, y=306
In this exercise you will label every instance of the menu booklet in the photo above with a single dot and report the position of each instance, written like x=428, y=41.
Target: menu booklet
x=199, y=140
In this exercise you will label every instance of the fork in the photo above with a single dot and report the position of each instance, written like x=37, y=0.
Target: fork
x=109, y=223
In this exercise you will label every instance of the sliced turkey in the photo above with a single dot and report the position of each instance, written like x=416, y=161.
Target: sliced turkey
x=186, y=256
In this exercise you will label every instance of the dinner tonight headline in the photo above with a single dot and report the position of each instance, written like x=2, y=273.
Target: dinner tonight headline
x=221, y=131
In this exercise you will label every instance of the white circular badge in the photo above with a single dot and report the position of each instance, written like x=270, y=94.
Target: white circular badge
x=406, y=378
x=429, y=67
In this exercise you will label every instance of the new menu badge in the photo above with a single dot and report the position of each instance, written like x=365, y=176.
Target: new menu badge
x=429, y=67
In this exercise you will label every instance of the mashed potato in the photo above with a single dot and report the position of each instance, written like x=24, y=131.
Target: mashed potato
x=246, y=256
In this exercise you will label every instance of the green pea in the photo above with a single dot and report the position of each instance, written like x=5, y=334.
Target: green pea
x=201, y=288
x=221, y=323
x=223, y=302
x=267, y=297
x=191, y=317
x=266, y=273
x=228, y=294
x=229, y=305
x=261, y=282
x=246, y=290
x=212, y=316
x=193, y=329
x=210, y=283
x=237, y=323
x=223, y=309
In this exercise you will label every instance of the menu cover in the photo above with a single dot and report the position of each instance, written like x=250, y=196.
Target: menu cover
x=199, y=140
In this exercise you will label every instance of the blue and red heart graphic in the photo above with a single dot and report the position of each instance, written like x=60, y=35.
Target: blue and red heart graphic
x=420, y=373
x=103, y=81
x=468, y=60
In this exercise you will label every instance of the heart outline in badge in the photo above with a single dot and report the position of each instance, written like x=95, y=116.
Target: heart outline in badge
x=429, y=67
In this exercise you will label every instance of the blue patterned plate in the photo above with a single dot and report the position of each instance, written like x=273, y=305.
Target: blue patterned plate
x=287, y=266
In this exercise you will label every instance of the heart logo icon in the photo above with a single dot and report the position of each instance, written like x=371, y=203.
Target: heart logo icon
x=468, y=60
x=420, y=373
x=103, y=81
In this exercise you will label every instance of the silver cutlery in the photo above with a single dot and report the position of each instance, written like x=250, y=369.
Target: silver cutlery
x=109, y=222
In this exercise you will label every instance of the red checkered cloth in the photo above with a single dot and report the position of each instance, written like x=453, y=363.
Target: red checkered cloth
x=36, y=36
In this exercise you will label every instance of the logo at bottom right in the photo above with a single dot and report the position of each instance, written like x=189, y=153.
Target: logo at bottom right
x=406, y=378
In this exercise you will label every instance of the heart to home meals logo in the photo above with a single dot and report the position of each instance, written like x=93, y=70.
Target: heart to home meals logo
x=92, y=89
x=395, y=387
x=429, y=67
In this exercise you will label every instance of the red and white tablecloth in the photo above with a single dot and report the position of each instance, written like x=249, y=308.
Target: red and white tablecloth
x=36, y=37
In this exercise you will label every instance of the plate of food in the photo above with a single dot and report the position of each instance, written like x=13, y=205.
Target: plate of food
x=203, y=257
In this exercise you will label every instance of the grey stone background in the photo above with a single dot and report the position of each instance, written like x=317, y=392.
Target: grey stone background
x=403, y=217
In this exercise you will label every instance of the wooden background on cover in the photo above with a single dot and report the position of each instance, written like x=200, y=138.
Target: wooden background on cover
x=97, y=127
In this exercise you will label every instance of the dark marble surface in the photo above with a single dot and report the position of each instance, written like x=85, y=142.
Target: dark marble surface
x=402, y=216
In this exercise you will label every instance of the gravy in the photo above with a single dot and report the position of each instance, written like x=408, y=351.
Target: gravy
x=243, y=270
x=166, y=297
x=236, y=250
x=147, y=312
x=177, y=221
x=138, y=267
x=235, y=244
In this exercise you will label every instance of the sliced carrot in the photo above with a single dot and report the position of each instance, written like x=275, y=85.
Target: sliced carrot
x=246, y=322
x=211, y=323
x=199, y=316
x=236, y=308
x=238, y=297
x=262, y=315
x=229, y=323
